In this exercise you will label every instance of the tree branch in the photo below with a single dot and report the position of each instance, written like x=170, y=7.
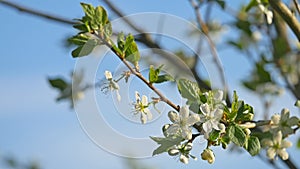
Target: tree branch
x=211, y=44
x=136, y=73
x=38, y=13
x=287, y=16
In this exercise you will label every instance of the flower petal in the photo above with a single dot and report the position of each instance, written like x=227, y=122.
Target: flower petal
x=283, y=154
x=145, y=100
x=271, y=153
x=143, y=118
x=218, y=95
x=148, y=113
x=285, y=114
x=108, y=75
x=205, y=109
x=192, y=119
x=207, y=127
x=173, y=116
x=277, y=137
x=184, y=112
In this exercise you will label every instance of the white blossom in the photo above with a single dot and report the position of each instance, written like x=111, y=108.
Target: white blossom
x=112, y=85
x=141, y=107
x=182, y=122
x=266, y=11
x=283, y=122
x=210, y=118
x=277, y=146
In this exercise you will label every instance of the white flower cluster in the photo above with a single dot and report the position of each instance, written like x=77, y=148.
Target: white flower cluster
x=183, y=151
x=209, y=118
x=281, y=127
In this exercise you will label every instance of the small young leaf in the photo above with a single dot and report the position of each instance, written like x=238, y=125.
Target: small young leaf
x=237, y=135
x=253, y=146
x=214, y=135
x=164, y=78
x=86, y=49
x=88, y=10
x=166, y=143
x=132, y=53
x=189, y=90
x=58, y=83
x=153, y=74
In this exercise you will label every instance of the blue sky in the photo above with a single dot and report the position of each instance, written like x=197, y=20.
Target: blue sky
x=34, y=127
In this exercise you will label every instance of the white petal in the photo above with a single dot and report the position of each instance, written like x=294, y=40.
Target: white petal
x=271, y=153
x=283, y=154
x=184, y=112
x=218, y=95
x=222, y=127
x=207, y=127
x=269, y=16
x=286, y=144
x=149, y=114
x=143, y=118
x=192, y=119
x=275, y=119
x=285, y=114
x=173, y=129
x=173, y=116
x=144, y=100
x=108, y=75
x=218, y=114
x=277, y=137
x=186, y=133
x=215, y=125
x=184, y=159
x=205, y=109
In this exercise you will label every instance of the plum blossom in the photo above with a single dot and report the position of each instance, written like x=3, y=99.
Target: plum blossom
x=141, y=106
x=112, y=85
x=283, y=122
x=210, y=119
x=277, y=146
x=182, y=122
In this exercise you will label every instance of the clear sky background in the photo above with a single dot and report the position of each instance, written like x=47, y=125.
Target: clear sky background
x=34, y=127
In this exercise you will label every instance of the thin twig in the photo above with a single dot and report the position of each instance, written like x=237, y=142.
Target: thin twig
x=138, y=74
x=297, y=6
x=213, y=50
x=38, y=13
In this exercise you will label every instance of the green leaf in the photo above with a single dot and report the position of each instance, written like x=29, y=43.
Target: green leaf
x=164, y=78
x=58, y=83
x=244, y=26
x=251, y=4
x=153, y=74
x=221, y=3
x=88, y=10
x=298, y=143
x=253, y=145
x=245, y=113
x=189, y=90
x=237, y=135
x=297, y=103
x=79, y=39
x=166, y=143
x=214, y=135
x=131, y=50
x=86, y=49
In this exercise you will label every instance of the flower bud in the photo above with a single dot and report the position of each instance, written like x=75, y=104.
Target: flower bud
x=222, y=127
x=173, y=116
x=208, y=155
x=247, y=131
x=184, y=159
x=188, y=147
x=275, y=119
x=173, y=152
